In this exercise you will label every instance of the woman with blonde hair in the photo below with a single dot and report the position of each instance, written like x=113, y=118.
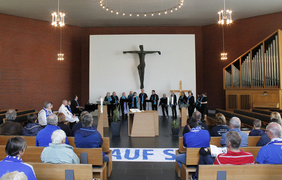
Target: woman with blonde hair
x=220, y=127
x=276, y=115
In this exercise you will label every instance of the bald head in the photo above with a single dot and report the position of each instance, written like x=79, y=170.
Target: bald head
x=273, y=130
x=235, y=122
x=65, y=102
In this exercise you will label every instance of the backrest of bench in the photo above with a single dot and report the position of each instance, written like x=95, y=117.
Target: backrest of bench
x=31, y=154
x=95, y=156
x=193, y=156
x=105, y=146
x=46, y=171
x=235, y=172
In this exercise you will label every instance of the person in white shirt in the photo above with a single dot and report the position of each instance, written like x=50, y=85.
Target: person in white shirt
x=69, y=116
x=44, y=113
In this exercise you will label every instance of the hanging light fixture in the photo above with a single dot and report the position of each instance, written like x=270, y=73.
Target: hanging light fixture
x=223, y=55
x=143, y=14
x=58, y=18
x=225, y=16
x=61, y=55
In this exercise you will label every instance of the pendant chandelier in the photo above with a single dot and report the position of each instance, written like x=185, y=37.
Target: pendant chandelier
x=58, y=18
x=225, y=16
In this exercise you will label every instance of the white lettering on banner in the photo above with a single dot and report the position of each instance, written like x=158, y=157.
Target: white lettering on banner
x=144, y=154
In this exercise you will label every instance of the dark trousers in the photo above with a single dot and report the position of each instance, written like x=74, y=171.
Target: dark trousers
x=165, y=109
x=122, y=109
x=154, y=107
x=143, y=106
x=191, y=110
x=174, y=113
x=202, y=161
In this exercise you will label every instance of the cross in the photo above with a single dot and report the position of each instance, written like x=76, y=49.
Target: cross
x=180, y=88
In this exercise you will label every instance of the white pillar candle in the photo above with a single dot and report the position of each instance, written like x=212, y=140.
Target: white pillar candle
x=168, y=101
x=101, y=105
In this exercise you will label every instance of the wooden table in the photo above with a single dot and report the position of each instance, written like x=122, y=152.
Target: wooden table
x=143, y=124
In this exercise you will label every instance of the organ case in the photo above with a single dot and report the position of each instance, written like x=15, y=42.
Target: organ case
x=253, y=79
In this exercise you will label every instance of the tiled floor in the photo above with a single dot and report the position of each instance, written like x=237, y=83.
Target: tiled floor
x=144, y=170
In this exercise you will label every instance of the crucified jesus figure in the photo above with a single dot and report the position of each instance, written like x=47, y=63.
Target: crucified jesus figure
x=141, y=66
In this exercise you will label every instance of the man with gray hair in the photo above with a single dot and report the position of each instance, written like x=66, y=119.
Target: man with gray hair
x=58, y=152
x=272, y=152
x=10, y=127
x=235, y=124
x=44, y=113
x=43, y=137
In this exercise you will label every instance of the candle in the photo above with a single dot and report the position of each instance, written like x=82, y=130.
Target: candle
x=168, y=101
x=101, y=105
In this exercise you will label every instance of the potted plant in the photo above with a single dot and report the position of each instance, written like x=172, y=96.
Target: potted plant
x=175, y=128
x=115, y=125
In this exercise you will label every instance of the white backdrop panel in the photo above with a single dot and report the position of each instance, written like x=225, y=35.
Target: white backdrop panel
x=111, y=70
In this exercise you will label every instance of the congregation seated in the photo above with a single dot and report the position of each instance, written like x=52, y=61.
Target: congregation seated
x=68, y=115
x=221, y=126
x=272, y=152
x=62, y=125
x=196, y=137
x=235, y=124
x=274, y=117
x=44, y=113
x=234, y=155
x=257, y=131
x=58, y=152
x=198, y=116
x=10, y=127
x=15, y=175
x=14, y=149
x=88, y=136
x=43, y=137
x=32, y=128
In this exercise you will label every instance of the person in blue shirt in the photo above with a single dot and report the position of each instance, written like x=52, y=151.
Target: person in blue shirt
x=220, y=127
x=88, y=136
x=15, y=148
x=43, y=137
x=256, y=131
x=272, y=152
x=235, y=124
x=196, y=137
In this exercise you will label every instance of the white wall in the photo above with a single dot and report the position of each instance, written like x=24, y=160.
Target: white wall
x=111, y=70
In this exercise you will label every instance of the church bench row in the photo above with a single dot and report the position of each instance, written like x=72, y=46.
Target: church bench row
x=193, y=156
x=246, y=121
x=263, y=117
x=46, y=171
x=91, y=156
x=31, y=142
x=22, y=118
x=252, y=141
x=250, y=172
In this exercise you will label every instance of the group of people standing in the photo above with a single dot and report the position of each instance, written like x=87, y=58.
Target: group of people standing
x=132, y=101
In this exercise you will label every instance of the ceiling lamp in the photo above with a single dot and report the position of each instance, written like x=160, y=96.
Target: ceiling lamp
x=61, y=55
x=223, y=55
x=143, y=14
x=224, y=16
x=58, y=18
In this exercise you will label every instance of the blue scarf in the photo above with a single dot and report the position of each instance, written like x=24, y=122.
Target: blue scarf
x=136, y=101
x=109, y=99
x=201, y=100
x=47, y=112
x=115, y=99
x=69, y=108
x=142, y=99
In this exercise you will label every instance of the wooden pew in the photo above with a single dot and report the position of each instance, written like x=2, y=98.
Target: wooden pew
x=193, y=156
x=234, y=172
x=21, y=118
x=45, y=171
x=252, y=141
x=263, y=117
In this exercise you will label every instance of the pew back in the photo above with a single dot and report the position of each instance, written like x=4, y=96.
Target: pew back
x=250, y=172
x=45, y=171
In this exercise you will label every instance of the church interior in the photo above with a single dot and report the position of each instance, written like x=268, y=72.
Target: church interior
x=41, y=63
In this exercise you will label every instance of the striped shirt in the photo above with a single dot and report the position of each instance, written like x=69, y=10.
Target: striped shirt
x=235, y=158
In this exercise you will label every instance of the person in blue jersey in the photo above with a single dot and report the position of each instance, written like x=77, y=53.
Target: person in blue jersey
x=134, y=102
x=108, y=98
x=195, y=138
x=182, y=100
x=43, y=137
x=221, y=126
x=154, y=99
x=123, y=105
x=264, y=140
x=272, y=152
x=173, y=104
x=235, y=125
x=142, y=99
x=88, y=136
x=14, y=149
x=44, y=113
x=190, y=103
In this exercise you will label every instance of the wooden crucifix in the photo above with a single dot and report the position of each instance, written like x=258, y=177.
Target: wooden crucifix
x=180, y=89
x=141, y=66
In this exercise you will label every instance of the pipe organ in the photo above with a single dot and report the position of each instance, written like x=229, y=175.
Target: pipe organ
x=254, y=77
